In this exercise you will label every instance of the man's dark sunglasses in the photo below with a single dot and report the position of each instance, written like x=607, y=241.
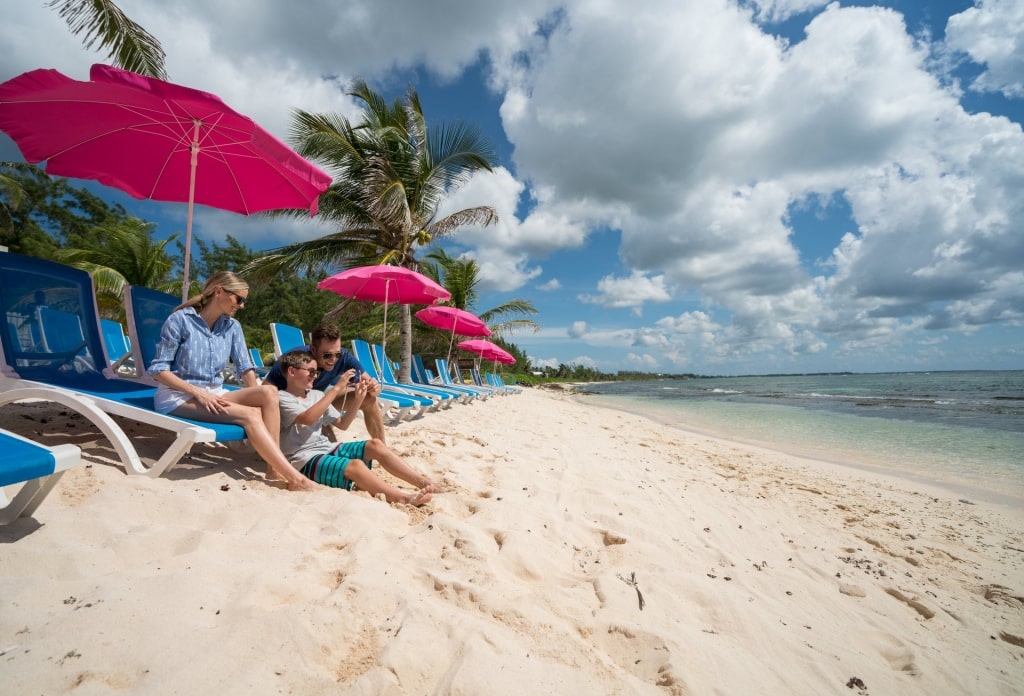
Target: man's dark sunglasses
x=330, y=356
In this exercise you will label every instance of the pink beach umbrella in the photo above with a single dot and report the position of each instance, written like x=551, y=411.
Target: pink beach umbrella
x=453, y=319
x=157, y=140
x=387, y=285
x=488, y=351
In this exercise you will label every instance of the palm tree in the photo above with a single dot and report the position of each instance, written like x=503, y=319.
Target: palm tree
x=391, y=175
x=460, y=276
x=125, y=254
x=13, y=193
x=131, y=47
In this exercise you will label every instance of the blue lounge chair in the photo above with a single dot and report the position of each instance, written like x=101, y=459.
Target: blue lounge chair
x=444, y=373
x=429, y=402
x=72, y=369
x=257, y=360
x=421, y=375
x=36, y=466
x=386, y=376
x=286, y=338
x=388, y=372
x=115, y=341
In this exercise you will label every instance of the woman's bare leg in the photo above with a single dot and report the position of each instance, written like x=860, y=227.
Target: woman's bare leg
x=264, y=397
x=393, y=464
x=251, y=419
x=358, y=473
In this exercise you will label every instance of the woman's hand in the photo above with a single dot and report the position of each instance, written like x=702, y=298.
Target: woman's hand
x=211, y=402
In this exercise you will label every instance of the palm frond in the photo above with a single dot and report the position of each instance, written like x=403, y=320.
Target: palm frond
x=106, y=26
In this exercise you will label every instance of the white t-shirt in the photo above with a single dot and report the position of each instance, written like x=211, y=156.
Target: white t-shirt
x=300, y=443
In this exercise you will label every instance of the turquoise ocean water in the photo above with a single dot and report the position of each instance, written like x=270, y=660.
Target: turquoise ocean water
x=963, y=431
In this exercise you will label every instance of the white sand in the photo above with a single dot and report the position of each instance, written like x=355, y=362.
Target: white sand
x=760, y=573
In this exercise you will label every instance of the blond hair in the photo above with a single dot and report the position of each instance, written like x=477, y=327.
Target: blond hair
x=232, y=282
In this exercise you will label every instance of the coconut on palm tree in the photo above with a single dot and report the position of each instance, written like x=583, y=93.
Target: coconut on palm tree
x=391, y=174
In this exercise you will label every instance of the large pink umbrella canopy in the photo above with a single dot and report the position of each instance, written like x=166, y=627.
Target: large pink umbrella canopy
x=154, y=139
x=385, y=284
x=455, y=320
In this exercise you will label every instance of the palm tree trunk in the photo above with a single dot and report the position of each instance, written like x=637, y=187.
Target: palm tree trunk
x=405, y=341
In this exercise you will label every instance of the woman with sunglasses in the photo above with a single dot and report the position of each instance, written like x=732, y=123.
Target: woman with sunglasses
x=196, y=342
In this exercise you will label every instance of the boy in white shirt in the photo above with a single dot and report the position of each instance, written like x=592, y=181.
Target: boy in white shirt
x=304, y=413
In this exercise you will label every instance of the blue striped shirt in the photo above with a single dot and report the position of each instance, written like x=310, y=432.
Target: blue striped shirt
x=193, y=352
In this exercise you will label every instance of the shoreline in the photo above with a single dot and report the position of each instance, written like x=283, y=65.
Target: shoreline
x=579, y=549
x=947, y=483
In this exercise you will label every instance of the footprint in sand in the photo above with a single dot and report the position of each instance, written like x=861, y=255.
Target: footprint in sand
x=642, y=654
x=913, y=603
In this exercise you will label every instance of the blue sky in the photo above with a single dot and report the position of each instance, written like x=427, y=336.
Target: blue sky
x=703, y=186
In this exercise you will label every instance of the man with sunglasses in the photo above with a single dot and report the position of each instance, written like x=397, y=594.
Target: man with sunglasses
x=333, y=361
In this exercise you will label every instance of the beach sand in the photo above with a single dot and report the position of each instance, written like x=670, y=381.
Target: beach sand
x=578, y=550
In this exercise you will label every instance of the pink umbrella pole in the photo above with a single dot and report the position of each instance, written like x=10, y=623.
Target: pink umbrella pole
x=384, y=337
x=191, y=206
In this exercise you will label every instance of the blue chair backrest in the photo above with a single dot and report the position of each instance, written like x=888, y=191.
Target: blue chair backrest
x=419, y=372
x=286, y=337
x=114, y=339
x=37, y=295
x=364, y=354
x=147, y=311
x=257, y=357
x=383, y=364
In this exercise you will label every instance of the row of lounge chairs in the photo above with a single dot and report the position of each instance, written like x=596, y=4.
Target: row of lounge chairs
x=56, y=348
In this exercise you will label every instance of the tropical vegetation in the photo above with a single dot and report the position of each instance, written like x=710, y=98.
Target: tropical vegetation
x=392, y=172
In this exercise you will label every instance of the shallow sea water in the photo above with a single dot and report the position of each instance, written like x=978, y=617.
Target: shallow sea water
x=961, y=431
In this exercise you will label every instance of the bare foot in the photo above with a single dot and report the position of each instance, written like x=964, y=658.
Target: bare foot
x=303, y=484
x=430, y=487
x=420, y=497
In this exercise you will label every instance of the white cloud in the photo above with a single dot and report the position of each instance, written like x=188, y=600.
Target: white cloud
x=642, y=361
x=578, y=329
x=632, y=291
x=781, y=10
x=992, y=33
x=550, y=286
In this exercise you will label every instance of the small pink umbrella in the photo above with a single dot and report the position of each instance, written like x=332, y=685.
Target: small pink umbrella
x=488, y=351
x=385, y=284
x=453, y=319
x=154, y=139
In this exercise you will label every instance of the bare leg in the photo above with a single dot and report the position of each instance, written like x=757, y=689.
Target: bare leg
x=393, y=464
x=358, y=473
x=373, y=418
x=251, y=418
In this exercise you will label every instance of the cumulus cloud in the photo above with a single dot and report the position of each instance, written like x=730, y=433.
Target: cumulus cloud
x=992, y=33
x=550, y=286
x=632, y=291
x=781, y=10
x=705, y=176
x=578, y=329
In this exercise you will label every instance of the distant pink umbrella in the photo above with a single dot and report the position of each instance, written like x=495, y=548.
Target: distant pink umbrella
x=488, y=351
x=154, y=139
x=453, y=319
x=385, y=284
